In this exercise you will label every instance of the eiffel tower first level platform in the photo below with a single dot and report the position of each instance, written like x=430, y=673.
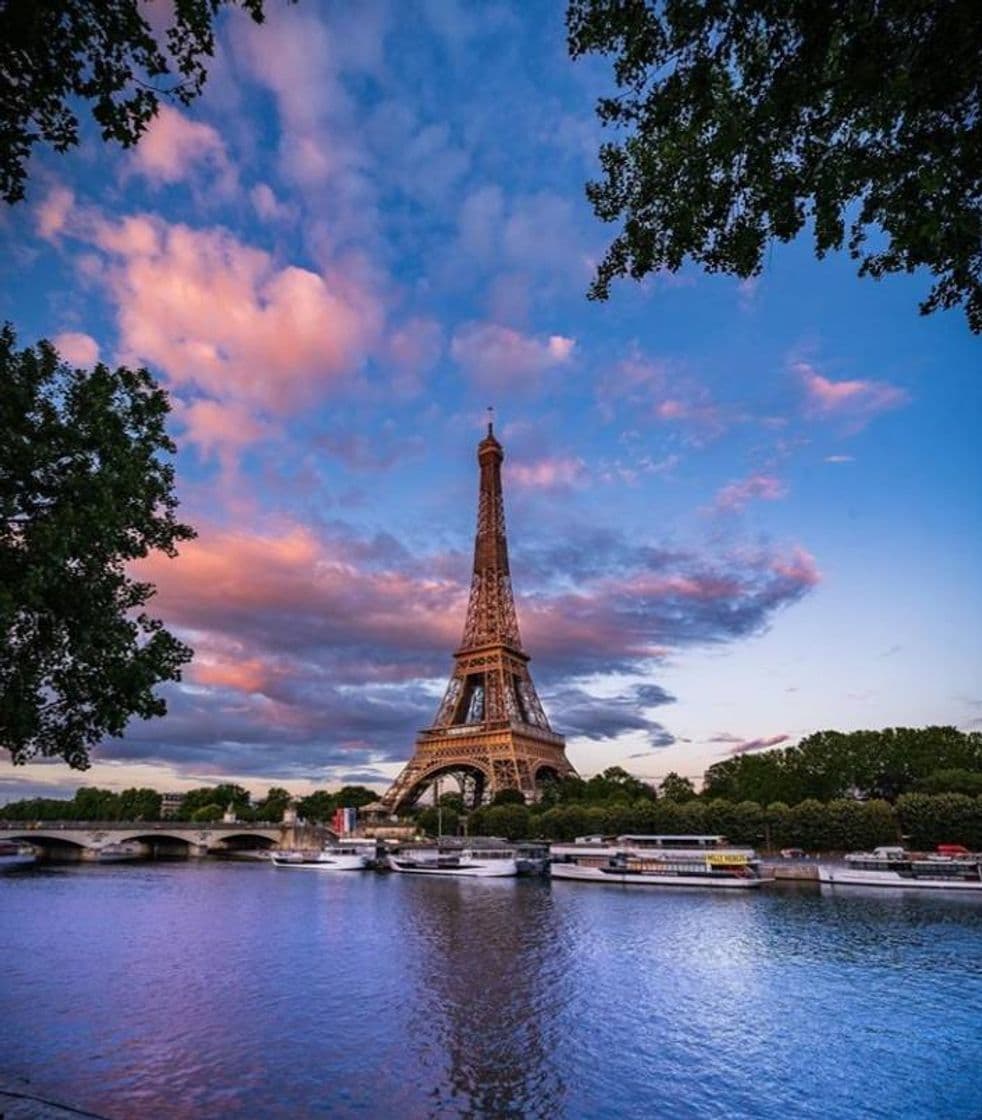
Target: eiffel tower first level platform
x=490, y=732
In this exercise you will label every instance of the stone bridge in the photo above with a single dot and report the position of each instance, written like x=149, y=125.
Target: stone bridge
x=86, y=840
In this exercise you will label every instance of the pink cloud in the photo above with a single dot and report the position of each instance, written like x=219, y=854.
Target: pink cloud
x=52, y=214
x=758, y=744
x=557, y=473
x=221, y=316
x=268, y=206
x=634, y=382
x=799, y=567
x=697, y=409
x=297, y=598
x=173, y=146
x=497, y=356
x=78, y=348
x=656, y=388
x=736, y=495
x=560, y=348
x=295, y=57
x=221, y=427
x=414, y=348
x=856, y=401
x=289, y=589
x=671, y=410
x=245, y=675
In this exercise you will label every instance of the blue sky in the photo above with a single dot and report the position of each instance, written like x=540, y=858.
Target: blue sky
x=738, y=512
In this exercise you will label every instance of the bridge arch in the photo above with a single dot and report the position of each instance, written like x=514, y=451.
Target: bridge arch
x=160, y=844
x=50, y=844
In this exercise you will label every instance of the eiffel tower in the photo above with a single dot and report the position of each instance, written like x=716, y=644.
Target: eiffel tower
x=490, y=732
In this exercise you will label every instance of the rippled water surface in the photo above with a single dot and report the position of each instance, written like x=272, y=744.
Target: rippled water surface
x=186, y=991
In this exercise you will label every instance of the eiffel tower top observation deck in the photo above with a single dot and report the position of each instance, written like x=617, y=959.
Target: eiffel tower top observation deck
x=490, y=731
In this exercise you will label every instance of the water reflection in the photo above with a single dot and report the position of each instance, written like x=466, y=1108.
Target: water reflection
x=193, y=992
x=494, y=965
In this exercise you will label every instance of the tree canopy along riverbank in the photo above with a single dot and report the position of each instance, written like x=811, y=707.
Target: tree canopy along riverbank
x=831, y=764
x=834, y=791
x=741, y=124
x=838, y=825
x=207, y=803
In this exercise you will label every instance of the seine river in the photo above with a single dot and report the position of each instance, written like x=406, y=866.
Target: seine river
x=226, y=991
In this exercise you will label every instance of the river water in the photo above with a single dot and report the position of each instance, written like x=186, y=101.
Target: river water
x=197, y=991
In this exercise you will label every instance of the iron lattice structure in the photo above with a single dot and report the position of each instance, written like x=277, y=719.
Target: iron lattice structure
x=490, y=732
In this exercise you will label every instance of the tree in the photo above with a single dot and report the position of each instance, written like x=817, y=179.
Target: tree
x=808, y=824
x=508, y=797
x=509, y=820
x=209, y=797
x=84, y=490
x=436, y=821
x=139, y=805
x=951, y=781
x=273, y=805
x=676, y=788
x=92, y=804
x=948, y=818
x=746, y=121
x=834, y=764
x=317, y=806
x=614, y=784
x=354, y=797
x=104, y=52
x=207, y=813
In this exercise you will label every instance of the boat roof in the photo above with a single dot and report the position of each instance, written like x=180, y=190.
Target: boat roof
x=688, y=837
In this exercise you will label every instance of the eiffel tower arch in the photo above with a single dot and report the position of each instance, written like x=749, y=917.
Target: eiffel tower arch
x=490, y=732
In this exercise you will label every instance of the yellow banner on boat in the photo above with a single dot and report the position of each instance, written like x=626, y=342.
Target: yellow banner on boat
x=727, y=859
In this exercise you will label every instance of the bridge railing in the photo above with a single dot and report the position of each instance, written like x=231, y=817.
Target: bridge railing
x=148, y=826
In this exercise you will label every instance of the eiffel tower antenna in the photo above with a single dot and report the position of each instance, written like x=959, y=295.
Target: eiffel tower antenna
x=490, y=731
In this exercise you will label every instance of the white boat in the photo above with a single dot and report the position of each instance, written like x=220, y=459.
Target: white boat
x=119, y=852
x=14, y=855
x=897, y=868
x=658, y=861
x=332, y=857
x=482, y=863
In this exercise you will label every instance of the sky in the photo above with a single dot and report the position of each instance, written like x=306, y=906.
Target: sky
x=738, y=512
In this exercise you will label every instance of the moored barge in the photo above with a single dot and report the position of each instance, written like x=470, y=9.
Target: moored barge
x=658, y=861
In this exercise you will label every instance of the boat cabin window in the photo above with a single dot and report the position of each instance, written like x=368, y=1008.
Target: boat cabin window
x=673, y=841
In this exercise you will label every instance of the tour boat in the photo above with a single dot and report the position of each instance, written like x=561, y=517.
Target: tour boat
x=14, y=855
x=332, y=857
x=658, y=861
x=895, y=867
x=123, y=851
x=483, y=863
